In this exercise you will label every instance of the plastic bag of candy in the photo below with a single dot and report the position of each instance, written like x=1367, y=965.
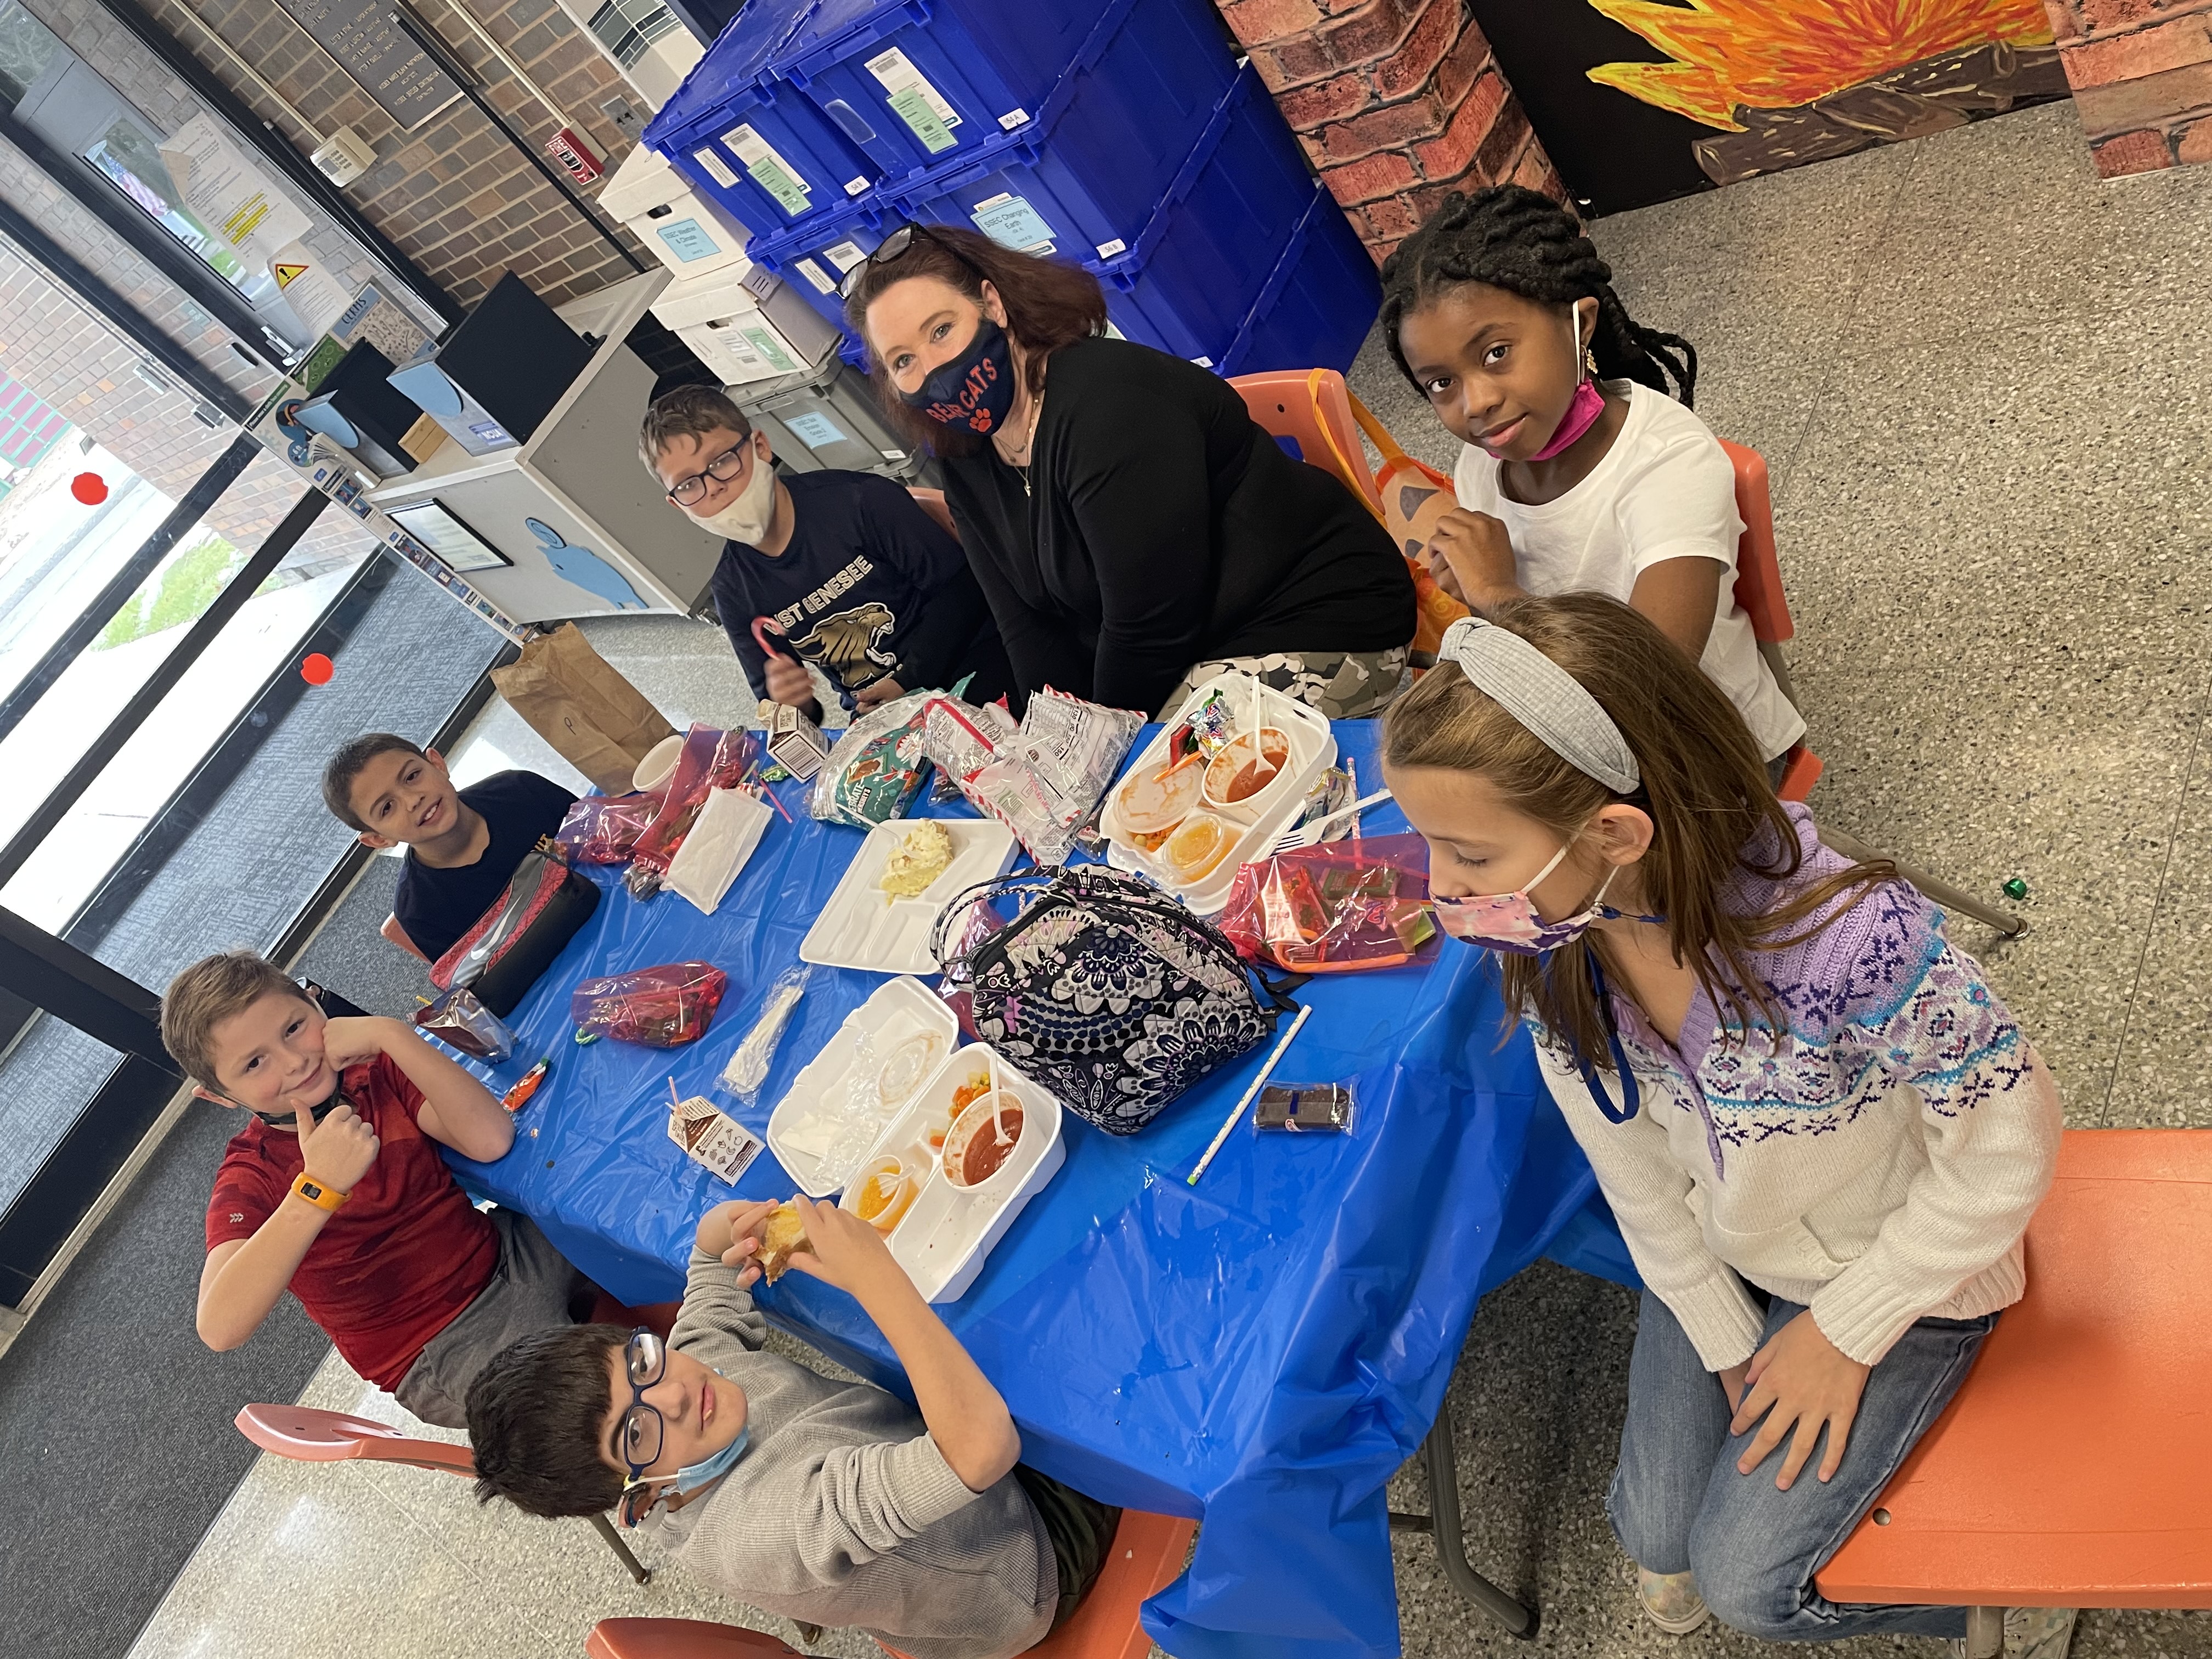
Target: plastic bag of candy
x=711, y=759
x=661, y=1007
x=876, y=770
x=1041, y=779
x=458, y=1019
x=1336, y=908
x=605, y=829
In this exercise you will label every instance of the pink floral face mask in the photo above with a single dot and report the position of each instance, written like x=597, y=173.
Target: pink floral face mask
x=1509, y=921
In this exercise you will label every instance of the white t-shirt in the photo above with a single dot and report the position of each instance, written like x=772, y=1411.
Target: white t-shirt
x=1665, y=490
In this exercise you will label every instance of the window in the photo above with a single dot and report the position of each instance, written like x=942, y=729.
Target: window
x=627, y=28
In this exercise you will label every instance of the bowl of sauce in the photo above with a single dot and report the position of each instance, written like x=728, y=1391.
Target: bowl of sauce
x=979, y=1153
x=887, y=1192
x=1197, y=846
x=1240, y=771
x=1161, y=797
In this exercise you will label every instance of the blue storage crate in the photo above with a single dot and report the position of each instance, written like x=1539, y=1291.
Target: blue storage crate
x=1193, y=275
x=1318, y=304
x=754, y=144
x=813, y=256
x=1048, y=193
x=916, y=83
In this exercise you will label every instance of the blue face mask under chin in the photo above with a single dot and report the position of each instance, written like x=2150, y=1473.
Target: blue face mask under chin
x=692, y=1476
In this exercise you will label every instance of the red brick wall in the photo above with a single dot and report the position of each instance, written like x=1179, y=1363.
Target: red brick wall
x=1397, y=101
x=2141, y=73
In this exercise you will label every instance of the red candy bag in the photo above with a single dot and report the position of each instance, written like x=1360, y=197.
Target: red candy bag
x=662, y=1007
x=1336, y=908
x=710, y=760
x=605, y=829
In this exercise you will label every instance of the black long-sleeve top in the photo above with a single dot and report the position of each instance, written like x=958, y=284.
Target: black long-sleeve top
x=1166, y=529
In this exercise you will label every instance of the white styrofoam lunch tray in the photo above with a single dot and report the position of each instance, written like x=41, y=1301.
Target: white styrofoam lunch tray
x=944, y=1240
x=1260, y=819
x=865, y=927
x=891, y=1014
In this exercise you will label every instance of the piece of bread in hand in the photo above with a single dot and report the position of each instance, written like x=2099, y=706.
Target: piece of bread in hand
x=782, y=1238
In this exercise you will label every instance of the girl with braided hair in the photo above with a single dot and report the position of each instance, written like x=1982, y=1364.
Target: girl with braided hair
x=1580, y=472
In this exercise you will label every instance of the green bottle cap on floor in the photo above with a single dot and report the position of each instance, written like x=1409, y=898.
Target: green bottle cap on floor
x=2015, y=889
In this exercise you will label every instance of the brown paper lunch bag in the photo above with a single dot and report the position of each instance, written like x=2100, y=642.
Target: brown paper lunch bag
x=574, y=699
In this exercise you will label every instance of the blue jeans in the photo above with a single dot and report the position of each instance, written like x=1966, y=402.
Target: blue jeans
x=1678, y=1504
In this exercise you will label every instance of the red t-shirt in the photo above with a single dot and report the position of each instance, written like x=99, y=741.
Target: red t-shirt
x=397, y=1261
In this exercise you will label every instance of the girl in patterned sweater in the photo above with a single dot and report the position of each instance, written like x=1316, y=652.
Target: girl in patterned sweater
x=1821, y=1134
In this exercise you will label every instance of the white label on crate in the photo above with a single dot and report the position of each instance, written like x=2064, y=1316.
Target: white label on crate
x=717, y=168
x=688, y=240
x=855, y=186
x=769, y=170
x=914, y=101
x=1203, y=363
x=845, y=256
x=815, y=429
x=771, y=348
x=894, y=454
x=739, y=345
x=815, y=277
x=1012, y=222
x=1013, y=118
x=1108, y=249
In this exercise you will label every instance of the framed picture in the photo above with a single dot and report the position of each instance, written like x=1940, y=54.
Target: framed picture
x=453, y=544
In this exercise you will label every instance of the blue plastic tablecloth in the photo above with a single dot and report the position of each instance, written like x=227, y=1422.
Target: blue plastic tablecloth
x=1263, y=1350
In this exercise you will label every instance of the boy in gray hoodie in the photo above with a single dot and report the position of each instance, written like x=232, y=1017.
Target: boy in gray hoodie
x=828, y=1503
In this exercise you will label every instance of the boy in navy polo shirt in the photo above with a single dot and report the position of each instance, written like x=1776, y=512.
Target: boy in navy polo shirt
x=463, y=845
x=850, y=572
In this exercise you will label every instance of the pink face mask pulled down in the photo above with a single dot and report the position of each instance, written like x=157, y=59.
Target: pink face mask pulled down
x=1587, y=403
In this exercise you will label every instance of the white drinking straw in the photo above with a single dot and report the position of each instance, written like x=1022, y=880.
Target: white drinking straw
x=1258, y=1083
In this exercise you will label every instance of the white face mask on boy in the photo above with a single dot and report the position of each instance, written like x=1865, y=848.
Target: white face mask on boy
x=746, y=519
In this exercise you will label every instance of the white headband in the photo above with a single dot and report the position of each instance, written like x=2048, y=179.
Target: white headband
x=1550, y=704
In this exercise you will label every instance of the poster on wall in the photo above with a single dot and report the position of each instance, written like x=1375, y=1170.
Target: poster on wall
x=232, y=197
x=1638, y=100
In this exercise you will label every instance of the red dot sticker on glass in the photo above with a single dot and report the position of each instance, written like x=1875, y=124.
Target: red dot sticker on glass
x=90, y=488
x=316, y=669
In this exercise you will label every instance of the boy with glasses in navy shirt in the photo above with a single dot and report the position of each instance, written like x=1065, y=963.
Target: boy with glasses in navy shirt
x=843, y=571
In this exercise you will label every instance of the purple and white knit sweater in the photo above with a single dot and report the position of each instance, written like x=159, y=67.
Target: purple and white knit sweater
x=1877, y=1159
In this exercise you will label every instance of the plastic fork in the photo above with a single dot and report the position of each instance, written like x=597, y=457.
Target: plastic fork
x=1306, y=834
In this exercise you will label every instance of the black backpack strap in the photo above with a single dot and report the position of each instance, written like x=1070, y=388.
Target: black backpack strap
x=1277, y=987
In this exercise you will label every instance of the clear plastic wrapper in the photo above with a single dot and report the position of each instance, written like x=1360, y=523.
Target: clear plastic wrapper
x=661, y=1007
x=748, y=1066
x=459, y=1021
x=605, y=829
x=1042, y=778
x=721, y=841
x=875, y=771
x=712, y=759
x=1334, y=908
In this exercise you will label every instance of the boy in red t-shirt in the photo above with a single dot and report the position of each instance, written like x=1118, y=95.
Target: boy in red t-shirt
x=338, y=1192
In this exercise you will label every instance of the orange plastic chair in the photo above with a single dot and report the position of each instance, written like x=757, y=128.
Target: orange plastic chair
x=931, y=501
x=395, y=934
x=314, y=1435
x=1758, y=591
x=681, y=1638
x=2070, y=1469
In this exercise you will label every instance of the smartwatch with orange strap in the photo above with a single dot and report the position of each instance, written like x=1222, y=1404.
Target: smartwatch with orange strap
x=323, y=1198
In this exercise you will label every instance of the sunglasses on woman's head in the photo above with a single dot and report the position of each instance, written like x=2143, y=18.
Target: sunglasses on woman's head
x=888, y=249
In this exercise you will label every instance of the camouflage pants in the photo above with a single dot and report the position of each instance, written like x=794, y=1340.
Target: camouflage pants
x=1344, y=685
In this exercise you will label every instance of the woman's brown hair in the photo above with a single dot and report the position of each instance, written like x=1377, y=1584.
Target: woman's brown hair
x=1702, y=784
x=1049, y=304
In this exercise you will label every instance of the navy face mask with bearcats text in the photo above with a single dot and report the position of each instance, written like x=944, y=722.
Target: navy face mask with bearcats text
x=976, y=389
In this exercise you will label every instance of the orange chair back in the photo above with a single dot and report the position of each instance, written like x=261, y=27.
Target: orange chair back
x=681, y=1638
x=321, y=1436
x=931, y=501
x=1149, y=1553
x=1757, y=568
x=1312, y=408
x=2070, y=1469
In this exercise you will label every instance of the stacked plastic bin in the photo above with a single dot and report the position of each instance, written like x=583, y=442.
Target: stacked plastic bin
x=1127, y=138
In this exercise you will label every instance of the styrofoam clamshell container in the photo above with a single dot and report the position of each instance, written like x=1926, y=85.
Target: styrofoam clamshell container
x=865, y=927
x=1257, y=819
x=944, y=1240
x=891, y=1014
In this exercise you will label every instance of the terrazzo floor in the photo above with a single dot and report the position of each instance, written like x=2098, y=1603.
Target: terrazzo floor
x=1976, y=376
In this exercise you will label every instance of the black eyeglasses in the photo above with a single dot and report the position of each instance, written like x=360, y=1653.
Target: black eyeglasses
x=723, y=468
x=886, y=250
x=645, y=1361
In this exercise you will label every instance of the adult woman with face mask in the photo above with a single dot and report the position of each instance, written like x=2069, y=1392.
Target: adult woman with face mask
x=1133, y=531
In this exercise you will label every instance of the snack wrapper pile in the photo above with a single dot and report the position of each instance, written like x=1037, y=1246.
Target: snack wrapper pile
x=661, y=1007
x=1043, y=777
x=1336, y=907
